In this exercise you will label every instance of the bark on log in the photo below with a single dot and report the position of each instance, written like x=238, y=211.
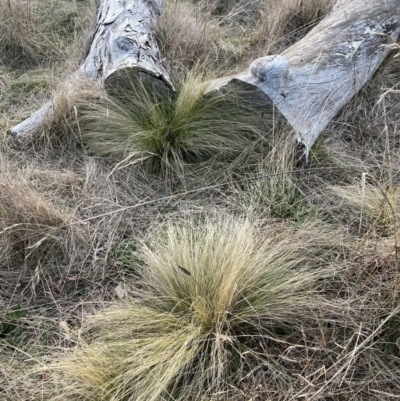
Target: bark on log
x=123, y=46
x=311, y=81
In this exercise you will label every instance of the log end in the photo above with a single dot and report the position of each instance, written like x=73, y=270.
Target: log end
x=34, y=123
x=248, y=95
x=123, y=80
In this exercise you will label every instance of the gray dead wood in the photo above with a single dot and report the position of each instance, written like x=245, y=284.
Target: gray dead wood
x=123, y=46
x=311, y=81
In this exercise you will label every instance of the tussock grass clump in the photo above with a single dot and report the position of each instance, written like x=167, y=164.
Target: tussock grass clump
x=167, y=132
x=67, y=97
x=274, y=189
x=30, y=223
x=278, y=190
x=281, y=23
x=217, y=302
x=33, y=31
x=18, y=32
x=188, y=32
x=281, y=196
x=374, y=208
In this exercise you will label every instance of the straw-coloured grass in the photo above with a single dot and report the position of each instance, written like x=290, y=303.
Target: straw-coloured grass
x=17, y=28
x=212, y=309
x=375, y=208
x=30, y=224
x=189, y=33
x=32, y=31
x=216, y=301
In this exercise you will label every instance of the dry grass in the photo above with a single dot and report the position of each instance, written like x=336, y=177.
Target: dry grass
x=281, y=23
x=376, y=207
x=180, y=20
x=33, y=31
x=3, y=80
x=226, y=35
x=189, y=36
x=18, y=30
x=31, y=225
x=217, y=301
x=230, y=276
x=69, y=94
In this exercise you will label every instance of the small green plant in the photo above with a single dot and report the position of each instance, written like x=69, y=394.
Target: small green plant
x=125, y=254
x=281, y=196
x=276, y=188
x=217, y=300
x=9, y=320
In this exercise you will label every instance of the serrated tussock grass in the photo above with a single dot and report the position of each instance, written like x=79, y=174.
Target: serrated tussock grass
x=169, y=131
x=217, y=301
x=35, y=31
x=31, y=226
x=277, y=191
x=59, y=275
x=375, y=208
x=17, y=28
x=279, y=24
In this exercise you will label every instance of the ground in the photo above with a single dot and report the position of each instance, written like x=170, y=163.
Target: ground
x=188, y=236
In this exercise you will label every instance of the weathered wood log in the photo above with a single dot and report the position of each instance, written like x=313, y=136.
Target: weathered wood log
x=308, y=83
x=123, y=46
x=311, y=81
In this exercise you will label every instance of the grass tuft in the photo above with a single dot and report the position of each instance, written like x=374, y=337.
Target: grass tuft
x=33, y=31
x=169, y=131
x=31, y=225
x=375, y=209
x=217, y=300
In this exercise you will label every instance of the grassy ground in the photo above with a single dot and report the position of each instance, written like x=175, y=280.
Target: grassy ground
x=139, y=261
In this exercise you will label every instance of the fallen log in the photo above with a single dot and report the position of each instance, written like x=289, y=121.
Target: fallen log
x=311, y=81
x=308, y=83
x=123, y=47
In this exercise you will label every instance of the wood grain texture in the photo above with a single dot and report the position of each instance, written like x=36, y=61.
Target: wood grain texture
x=311, y=81
x=124, y=40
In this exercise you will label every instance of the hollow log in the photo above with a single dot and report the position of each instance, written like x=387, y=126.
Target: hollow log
x=123, y=46
x=311, y=81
